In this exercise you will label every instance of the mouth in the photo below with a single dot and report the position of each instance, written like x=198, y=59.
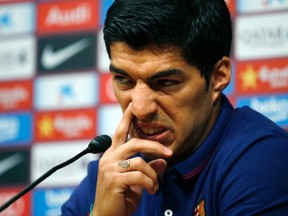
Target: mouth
x=153, y=133
x=150, y=131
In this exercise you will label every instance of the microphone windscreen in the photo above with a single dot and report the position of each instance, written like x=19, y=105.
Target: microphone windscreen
x=100, y=144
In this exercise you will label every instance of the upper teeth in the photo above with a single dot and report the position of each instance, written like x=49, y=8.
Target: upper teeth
x=151, y=130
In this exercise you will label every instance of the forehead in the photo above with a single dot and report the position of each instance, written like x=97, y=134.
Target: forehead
x=149, y=58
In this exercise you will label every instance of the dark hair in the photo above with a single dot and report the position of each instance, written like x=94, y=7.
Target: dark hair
x=200, y=29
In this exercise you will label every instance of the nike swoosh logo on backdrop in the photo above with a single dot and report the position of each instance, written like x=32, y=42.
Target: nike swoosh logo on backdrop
x=8, y=163
x=51, y=59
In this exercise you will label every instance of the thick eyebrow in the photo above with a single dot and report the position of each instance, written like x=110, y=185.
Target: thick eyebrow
x=169, y=72
x=157, y=75
x=117, y=70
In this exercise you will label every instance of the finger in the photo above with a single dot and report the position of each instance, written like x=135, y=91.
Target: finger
x=133, y=198
x=117, y=174
x=138, y=164
x=135, y=145
x=138, y=178
x=123, y=128
x=158, y=165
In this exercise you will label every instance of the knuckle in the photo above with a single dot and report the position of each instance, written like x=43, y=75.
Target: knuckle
x=137, y=162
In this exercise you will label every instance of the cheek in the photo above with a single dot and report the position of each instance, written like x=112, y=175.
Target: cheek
x=122, y=98
x=189, y=114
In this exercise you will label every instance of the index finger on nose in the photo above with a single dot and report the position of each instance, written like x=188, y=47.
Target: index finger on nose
x=123, y=128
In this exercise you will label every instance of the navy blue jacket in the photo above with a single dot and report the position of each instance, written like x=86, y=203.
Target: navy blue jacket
x=240, y=169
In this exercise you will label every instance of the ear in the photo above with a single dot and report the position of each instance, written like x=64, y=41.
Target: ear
x=220, y=77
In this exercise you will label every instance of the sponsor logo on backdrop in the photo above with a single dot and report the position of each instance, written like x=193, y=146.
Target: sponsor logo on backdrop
x=105, y=4
x=66, y=52
x=274, y=107
x=14, y=167
x=261, y=36
x=106, y=89
x=17, y=18
x=79, y=124
x=16, y=95
x=109, y=117
x=17, y=58
x=231, y=6
x=103, y=60
x=68, y=16
x=21, y=207
x=15, y=129
x=66, y=91
x=71, y=175
x=248, y=6
x=263, y=76
x=49, y=201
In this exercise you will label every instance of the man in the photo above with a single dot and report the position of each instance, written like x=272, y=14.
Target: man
x=181, y=148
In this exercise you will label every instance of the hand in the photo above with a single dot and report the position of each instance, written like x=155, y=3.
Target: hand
x=119, y=189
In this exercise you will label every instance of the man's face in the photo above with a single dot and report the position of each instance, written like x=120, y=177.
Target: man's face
x=170, y=101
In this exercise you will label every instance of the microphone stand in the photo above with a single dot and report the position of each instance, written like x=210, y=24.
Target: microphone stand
x=95, y=146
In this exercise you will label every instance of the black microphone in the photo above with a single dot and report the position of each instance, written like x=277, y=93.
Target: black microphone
x=98, y=145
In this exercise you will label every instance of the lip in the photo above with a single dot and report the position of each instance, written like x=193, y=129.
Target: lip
x=160, y=137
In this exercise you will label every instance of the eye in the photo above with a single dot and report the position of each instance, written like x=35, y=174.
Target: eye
x=123, y=81
x=166, y=82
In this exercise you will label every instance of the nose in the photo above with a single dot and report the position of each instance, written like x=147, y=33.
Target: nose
x=144, y=105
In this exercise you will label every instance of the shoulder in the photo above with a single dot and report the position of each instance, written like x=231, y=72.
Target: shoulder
x=250, y=134
x=250, y=127
x=251, y=163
